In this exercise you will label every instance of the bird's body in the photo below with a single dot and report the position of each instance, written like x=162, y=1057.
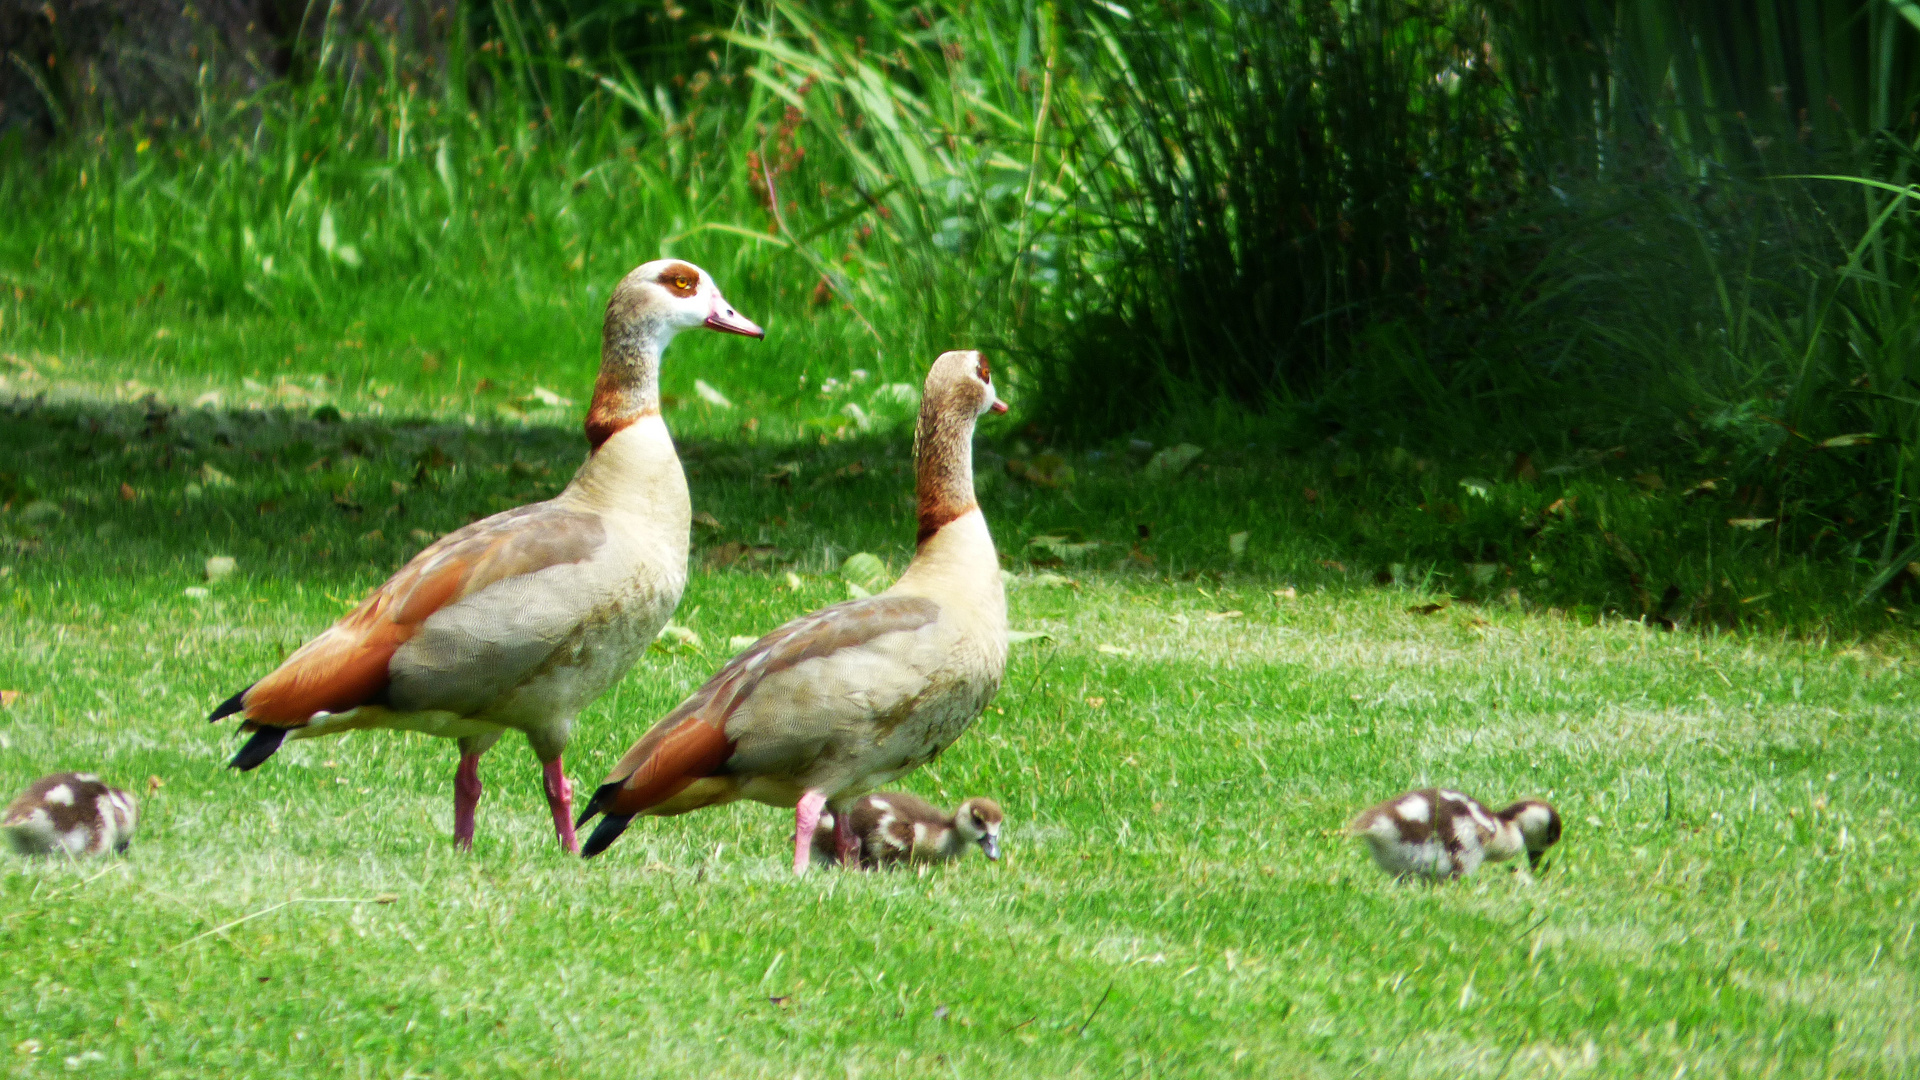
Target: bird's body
x=893, y=827
x=1440, y=833
x=72, y=814
x=519, y=621
x=849, y=698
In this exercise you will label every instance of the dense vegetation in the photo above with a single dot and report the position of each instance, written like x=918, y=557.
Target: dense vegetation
x=1542, y=288
x=1515, y=309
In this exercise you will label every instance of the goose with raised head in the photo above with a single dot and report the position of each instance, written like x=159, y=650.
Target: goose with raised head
x=1440, y=833
x=893, y=827
x=840, y=702
x=520, y=620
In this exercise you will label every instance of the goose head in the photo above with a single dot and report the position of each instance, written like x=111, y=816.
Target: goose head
x=674, y=295
x=978, y=822
x=1539, y=826
x=961, y=382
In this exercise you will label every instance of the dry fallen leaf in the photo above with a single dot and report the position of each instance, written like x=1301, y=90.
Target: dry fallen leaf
x=1171, y=462
x=8, y=697
x=1701, y=488
x=1096, y=702
x=1113, y=650
x=1338, y=567
x=1216, y=616
x=127, y=494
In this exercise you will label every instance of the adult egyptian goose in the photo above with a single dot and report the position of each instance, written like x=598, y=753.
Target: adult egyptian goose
x=837, y=703
x=72, y=814
x=520, y=620
x=1438, y=833
x=893, y=827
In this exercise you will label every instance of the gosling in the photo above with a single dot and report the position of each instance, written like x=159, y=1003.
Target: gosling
x=74, y=814
x=892, y=827
x=1437, y=833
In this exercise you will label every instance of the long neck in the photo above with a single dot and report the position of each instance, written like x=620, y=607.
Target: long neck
x=944, y=485
x=628, y=388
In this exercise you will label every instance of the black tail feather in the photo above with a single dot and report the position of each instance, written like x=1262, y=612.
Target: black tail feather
x=605, y=834
x=601, y=796
x=258, y=749
x=230, y=706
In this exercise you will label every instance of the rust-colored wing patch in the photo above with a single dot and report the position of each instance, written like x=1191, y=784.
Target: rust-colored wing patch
x=691, y=741
x=346, y=667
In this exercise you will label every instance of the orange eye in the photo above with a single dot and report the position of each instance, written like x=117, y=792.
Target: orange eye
x=682, y=283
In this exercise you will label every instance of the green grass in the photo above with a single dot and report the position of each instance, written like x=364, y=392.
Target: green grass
x=1735, y=893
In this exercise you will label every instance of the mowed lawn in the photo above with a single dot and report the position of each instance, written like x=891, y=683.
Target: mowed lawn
x=1735, y=894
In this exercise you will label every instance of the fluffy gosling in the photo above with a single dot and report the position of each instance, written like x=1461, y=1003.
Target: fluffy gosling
x=892, y=827
x=70, y=813
x=1438, y=833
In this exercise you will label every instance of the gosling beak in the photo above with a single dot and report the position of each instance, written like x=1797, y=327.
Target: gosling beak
x=991, y=845
x=728, y=321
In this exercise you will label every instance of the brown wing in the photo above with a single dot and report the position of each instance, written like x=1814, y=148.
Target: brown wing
x=691, y=741
x=346, y=667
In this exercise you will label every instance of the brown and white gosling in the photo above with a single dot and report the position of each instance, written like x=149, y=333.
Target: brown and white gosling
x=1440, y=833
x=893, y=827
x=71, y=814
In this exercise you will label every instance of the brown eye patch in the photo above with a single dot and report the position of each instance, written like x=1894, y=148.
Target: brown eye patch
x=680, y=279
x=986, y=376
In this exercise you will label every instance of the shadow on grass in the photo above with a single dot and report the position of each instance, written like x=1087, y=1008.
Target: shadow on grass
x=138, y=489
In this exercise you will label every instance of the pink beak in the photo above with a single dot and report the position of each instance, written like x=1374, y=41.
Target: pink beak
x=997, y=406
x=728, y=321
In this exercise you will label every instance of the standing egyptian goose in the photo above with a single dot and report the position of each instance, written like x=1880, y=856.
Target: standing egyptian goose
x=70, y=813
x=893, y=827
x=1437, y=833
x=520, y=620
x=840, y=702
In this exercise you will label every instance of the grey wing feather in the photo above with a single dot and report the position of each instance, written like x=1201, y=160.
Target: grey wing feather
x=825, y=675
x=473, y=650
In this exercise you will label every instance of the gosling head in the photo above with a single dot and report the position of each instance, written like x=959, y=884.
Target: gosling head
x=978, y=822
x=1539, y=825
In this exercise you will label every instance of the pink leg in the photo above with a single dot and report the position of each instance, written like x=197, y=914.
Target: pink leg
x=560, y=801
x=466, y=796
x=805, y=817
x=845, y=845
